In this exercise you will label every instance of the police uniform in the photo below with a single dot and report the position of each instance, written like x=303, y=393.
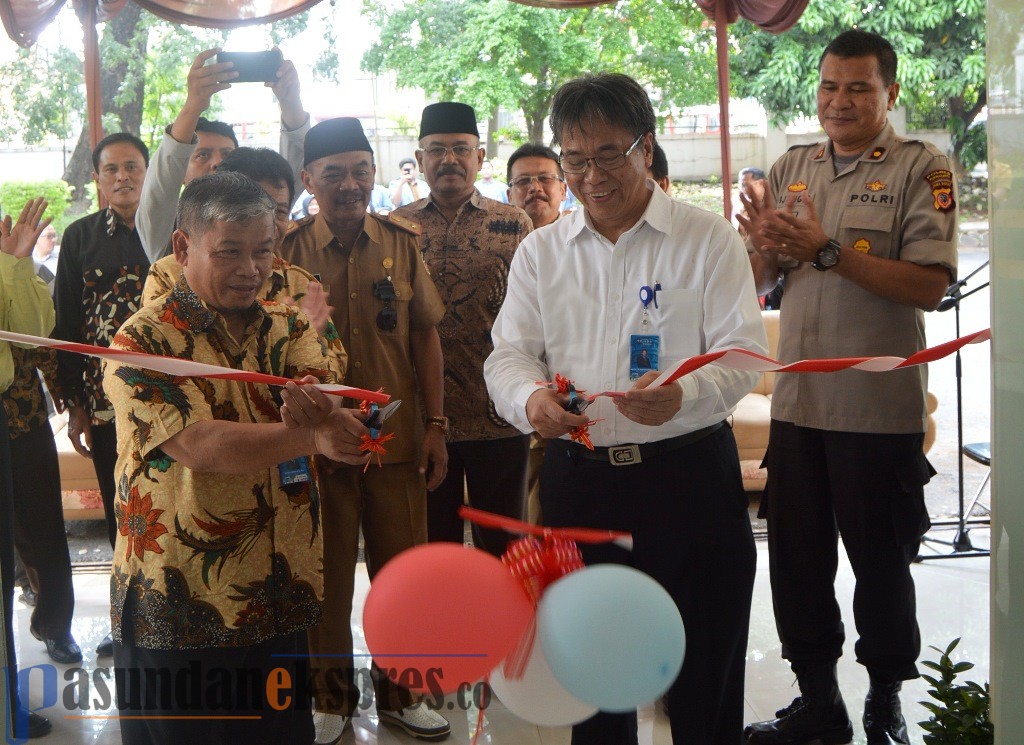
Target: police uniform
x=388, y=502
x=846, y=448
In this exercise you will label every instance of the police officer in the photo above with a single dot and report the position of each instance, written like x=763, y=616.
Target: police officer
x=865, y=227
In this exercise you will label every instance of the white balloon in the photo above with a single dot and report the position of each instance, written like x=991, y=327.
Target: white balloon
x=538, y=697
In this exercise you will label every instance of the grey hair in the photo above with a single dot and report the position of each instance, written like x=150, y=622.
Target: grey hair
x=224, y=195
x=609, y=97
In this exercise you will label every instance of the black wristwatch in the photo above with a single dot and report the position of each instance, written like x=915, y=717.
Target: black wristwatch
x=828, y=256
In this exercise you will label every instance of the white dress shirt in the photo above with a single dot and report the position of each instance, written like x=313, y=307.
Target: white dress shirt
x=573, y=301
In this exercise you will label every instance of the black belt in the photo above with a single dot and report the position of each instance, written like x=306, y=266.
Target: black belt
x=628, y=455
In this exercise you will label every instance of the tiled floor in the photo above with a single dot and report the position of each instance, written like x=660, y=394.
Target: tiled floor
x=952, y=602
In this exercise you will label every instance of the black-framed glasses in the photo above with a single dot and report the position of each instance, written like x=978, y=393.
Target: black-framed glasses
x=384, y=290
x=604, y=161
x=544, y=179
x=440, y=151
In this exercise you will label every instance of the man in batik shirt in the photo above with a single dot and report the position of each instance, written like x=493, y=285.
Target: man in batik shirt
x=218, y=562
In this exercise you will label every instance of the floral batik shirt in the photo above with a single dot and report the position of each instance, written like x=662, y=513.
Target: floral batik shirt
x=210, y=559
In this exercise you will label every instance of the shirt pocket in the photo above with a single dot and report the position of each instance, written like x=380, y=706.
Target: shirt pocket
x=869, y=229
x=680, y=319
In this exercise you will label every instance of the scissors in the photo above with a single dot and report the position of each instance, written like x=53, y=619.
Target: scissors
x=379, y=415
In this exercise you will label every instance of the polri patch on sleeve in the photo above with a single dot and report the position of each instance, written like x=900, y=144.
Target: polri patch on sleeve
x=941, y=182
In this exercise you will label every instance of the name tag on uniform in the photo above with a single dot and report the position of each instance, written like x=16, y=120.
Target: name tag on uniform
x=295, y=471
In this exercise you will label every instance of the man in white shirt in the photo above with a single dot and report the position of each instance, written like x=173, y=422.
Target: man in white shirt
x=664, y=466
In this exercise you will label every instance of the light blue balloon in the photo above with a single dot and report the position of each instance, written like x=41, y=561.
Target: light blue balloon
x=612, y=636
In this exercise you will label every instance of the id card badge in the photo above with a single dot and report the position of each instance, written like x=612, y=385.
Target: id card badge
x=295, y=471
x=643, y=354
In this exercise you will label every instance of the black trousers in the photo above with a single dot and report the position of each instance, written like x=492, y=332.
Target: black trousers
x=225, y=689
x=493, y=473
x=104, y=458
x=868, y=488
x=7, y=565
x=687, y=512
x=39, y=533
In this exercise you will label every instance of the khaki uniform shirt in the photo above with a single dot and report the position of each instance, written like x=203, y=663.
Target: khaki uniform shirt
x=896, y=202
x=285, y=281
x=210, y=559
x=387, y=247
x=469, y=260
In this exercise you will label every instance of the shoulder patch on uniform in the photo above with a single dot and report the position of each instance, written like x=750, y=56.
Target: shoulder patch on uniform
x=797, y=187
x=409, y=226
x=296, y=225
x=941, y=183
x=808, y=146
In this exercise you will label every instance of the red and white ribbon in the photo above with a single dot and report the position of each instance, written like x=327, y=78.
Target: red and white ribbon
x=743, y=359
x=186, y=368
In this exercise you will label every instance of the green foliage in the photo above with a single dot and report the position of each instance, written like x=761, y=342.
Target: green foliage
x=15, y=194
x=46, y=95
x=169, y=55
x=961, y=716
x=516, y=56
x=940, y=45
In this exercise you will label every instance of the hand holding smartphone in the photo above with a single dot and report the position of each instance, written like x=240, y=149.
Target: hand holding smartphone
x=253, y=67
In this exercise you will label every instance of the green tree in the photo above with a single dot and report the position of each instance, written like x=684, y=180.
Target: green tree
x=492, y=53
x=940, y=44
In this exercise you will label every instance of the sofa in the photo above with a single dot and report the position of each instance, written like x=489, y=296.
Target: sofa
x=81, y=493
x=752, y=417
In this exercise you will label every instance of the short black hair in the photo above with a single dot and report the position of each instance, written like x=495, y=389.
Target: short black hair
x=659, y=163
x=113, y=140
x=532, y=150
x=857, y=43
x=221, y=195
x=260, y=164
x=403, y=161
x=218, y=128
x=609, y=97
x=757, y=173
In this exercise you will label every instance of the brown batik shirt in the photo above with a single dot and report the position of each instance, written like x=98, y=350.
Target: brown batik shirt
x=469, y=259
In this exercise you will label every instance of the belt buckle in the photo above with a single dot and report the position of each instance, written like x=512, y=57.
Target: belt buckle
x=624, y=455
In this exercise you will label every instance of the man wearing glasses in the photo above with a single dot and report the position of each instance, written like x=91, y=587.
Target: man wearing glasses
x=468, y=241
x=635, y=269
x=535, y=183
x=386, y=310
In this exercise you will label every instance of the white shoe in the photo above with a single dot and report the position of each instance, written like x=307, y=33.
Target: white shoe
x=419, y=721
x=328, y=727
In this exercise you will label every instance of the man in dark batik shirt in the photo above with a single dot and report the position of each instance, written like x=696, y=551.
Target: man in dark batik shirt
x=100, y=275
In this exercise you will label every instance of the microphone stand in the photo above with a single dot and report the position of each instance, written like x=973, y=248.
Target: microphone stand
x=961, y=543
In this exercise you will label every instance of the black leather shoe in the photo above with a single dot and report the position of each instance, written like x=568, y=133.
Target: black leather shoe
x=106, y=647
x=62, y=651
x=38, y=725
x=883, y=720
x=803, y=725
x=818, y=715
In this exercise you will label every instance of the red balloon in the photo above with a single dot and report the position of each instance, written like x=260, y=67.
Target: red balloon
x=441, y=614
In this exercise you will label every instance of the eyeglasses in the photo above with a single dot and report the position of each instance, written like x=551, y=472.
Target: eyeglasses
x=440, y=151
x=604, y=161
x=384, y=290
x=544, y=179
